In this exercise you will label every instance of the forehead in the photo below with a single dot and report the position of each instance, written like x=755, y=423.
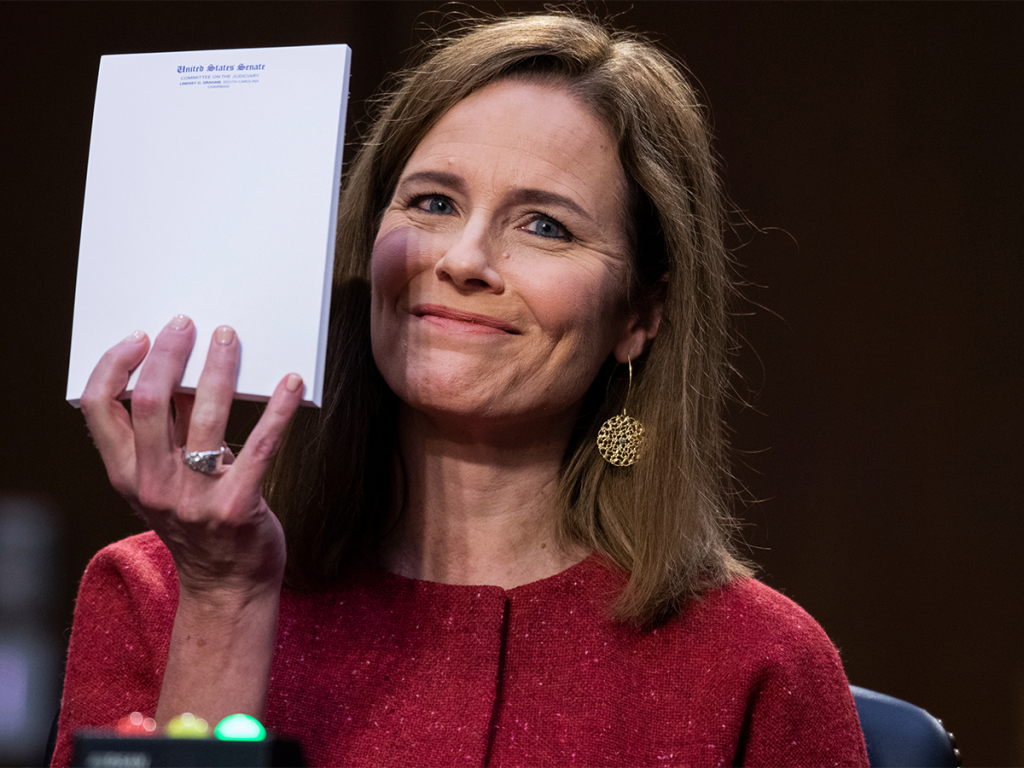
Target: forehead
x=527, y=128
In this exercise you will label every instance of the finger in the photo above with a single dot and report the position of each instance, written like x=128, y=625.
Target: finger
x=182, y=415
x=151, y=399
x=107, y=419
x=214, y=392
x=265, y=438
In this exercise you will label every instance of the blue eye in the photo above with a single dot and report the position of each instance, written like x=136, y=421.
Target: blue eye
x=438, y=204
x=548, y=228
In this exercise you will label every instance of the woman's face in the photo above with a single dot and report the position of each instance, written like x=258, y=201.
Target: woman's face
x=499, y=271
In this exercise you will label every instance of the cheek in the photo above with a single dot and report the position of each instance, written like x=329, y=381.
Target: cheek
x=582, y=302
x=392, y=263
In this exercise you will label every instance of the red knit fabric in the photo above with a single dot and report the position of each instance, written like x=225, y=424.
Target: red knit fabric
x=399, y=672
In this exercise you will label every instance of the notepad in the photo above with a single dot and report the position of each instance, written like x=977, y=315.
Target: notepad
x=212, y=191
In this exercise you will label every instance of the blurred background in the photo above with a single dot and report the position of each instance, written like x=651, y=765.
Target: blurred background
x=872, y=154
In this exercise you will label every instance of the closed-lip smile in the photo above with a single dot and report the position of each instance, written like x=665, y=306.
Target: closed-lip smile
x=470, y=318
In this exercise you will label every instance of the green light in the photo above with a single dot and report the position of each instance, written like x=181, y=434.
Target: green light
x=240, y=728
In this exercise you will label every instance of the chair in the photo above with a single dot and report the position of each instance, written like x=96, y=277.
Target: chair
x=899, y=734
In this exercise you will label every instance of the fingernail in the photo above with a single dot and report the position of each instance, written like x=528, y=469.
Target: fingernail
x=136, y=337
x=293, y=383
x=180, y=322
x=224, y=335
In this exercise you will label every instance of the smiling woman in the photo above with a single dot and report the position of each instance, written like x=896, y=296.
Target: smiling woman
x=506, y=218
x=530, y=235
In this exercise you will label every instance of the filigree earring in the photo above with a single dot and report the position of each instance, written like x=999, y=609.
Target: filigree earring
x=622, y=436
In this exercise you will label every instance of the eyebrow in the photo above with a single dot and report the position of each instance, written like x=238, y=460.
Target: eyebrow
x=518, y=196
x=450, y=180
x=543, y=197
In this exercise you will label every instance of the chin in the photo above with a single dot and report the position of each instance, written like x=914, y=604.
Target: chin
x=449, y=391
x=464, y=384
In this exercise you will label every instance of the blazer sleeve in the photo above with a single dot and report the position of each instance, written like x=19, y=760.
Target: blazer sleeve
x=123, y=617
x=801, y=711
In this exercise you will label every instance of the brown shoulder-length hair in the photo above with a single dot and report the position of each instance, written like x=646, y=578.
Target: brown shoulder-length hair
x=664, y=521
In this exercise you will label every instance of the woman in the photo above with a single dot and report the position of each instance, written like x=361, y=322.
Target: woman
x=468, y=580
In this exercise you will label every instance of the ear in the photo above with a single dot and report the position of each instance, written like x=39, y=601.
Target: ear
x=639, y=331
x=643, y=323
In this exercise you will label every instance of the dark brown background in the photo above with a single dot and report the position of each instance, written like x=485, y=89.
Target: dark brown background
x=877, y=149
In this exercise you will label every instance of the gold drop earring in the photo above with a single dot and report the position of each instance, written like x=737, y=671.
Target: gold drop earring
x=621, y=437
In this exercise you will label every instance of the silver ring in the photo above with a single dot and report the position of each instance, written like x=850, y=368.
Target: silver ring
x=207, y=462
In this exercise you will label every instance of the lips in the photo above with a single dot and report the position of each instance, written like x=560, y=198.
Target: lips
x=429, y=311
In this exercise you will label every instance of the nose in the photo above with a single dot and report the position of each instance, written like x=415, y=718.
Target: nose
x=469, y=262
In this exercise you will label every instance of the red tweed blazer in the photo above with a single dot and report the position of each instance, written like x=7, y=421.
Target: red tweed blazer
x=397, y=672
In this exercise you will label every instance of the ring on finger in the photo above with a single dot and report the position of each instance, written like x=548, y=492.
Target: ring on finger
x=207, y=462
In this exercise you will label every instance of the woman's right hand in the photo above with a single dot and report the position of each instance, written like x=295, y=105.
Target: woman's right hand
x=226, y=543
x=228, y=546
